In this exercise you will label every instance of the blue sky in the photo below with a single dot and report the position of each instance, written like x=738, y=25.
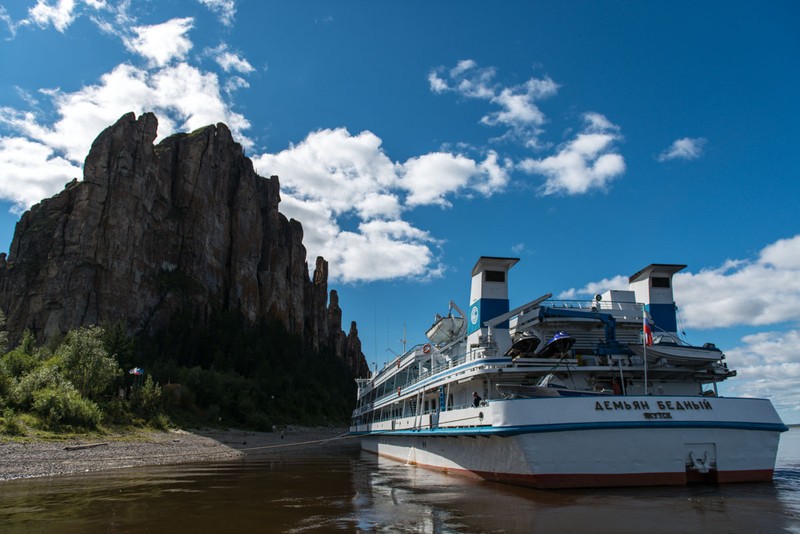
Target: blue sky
x=589, y=139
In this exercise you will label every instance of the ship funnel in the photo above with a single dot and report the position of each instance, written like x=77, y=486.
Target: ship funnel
x=653, y=288
x=489, y=299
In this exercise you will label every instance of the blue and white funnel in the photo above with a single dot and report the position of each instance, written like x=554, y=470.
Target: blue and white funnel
x=489, y=299
x=653, y=288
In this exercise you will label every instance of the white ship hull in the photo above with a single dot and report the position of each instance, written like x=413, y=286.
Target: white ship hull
x=621, y=441
x=589, y=411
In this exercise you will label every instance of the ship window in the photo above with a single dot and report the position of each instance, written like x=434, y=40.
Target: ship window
x=660, y=282
x=495, y=276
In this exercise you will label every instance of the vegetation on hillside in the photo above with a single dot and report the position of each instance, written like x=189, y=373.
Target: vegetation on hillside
x=227, y=373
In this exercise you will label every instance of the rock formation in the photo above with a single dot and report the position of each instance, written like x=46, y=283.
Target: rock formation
x=153, y=230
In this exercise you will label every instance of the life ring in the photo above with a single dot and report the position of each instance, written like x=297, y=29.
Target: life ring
x=426, y=348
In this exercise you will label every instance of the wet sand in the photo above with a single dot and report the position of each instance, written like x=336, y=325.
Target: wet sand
x=52, y=458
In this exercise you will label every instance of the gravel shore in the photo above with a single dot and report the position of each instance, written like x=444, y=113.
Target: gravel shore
x=52, y=458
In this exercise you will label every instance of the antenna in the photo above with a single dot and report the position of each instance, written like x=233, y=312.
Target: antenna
x=404, y=341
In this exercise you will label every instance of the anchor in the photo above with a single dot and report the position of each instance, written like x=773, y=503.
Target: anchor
x=701, y=466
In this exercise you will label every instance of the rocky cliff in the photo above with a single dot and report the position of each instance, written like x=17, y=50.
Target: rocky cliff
x=154, y=230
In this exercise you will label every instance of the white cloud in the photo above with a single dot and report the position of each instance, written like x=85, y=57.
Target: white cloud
x=518, y=110
x=759, y=292
x=230, y=61
x=517, y=103
x=225, y=9
x=234, y=83
x=782, y=254
x=60, y=15
x=183, y=97
x=431, y=177
x=685, y=148
x=161, y=43
x=45, y=13
x=587, y=162
x=768, y=366
x=5, y=17
x=31, y=171
x=437, y=84
x=595, y=288
x=334, y=167
x=333, y=178
x=383, y=250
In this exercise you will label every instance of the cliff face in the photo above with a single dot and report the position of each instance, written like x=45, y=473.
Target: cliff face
x=153, y=230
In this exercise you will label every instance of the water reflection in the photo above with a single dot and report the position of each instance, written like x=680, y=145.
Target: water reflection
x=433, y=502
x=351, y=491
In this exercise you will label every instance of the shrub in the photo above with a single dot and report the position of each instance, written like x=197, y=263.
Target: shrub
x=11, y=424
x=22, y=393
x=147, y=399
x=22, y=359
x=64, y=405
x=159, y=422
x=86, y=363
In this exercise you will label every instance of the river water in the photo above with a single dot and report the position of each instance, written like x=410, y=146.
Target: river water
x=351, y=491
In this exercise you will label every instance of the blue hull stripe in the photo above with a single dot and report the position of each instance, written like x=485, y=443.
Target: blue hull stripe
x=570, y=427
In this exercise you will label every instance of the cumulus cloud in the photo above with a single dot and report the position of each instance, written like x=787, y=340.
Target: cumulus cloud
x=752, y=292
x=333, y=177
x=518, y=110
x=335, y=167
x=36, y=167
x=57, y=135
x=430, y=178
x=768, y=366
x=685, y=148
x=384, y=250
x=183, y=97
x=756, y=292
x=589, y=161
x=749, y=292
x=161, y=43
x=60, y=15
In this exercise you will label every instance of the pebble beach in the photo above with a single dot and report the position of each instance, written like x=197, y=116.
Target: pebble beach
x=54, y=458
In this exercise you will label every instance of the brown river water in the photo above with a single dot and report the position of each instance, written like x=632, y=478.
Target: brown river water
x=352, y=491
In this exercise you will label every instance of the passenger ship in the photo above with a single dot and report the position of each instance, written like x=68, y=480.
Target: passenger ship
x=557, y=393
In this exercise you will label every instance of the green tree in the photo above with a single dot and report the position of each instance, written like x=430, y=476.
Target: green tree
x=147, y=398
x=23, y=359
x=85, y=362
x=118, y=344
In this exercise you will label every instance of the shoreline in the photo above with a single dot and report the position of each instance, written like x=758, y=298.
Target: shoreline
x=120, y=451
